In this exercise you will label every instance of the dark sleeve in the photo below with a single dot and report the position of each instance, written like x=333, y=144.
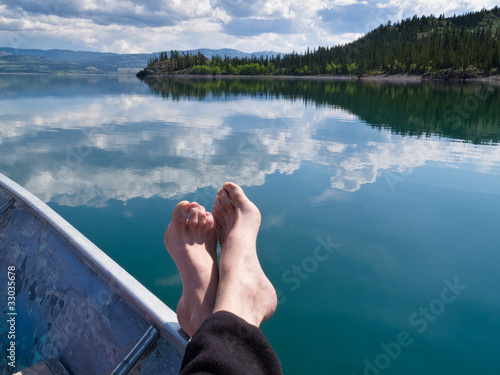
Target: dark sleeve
x=226, y=344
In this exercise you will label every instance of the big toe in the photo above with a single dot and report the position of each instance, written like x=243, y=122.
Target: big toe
x=235, y=193
x=181, y=213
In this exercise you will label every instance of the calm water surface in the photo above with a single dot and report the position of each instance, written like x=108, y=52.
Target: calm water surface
x=380, y=203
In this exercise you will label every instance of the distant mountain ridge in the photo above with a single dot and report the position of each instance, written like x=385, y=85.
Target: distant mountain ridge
x=34, y=64
x=87, y=61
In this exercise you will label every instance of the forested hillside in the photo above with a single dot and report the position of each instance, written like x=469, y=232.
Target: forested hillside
x=463, y=46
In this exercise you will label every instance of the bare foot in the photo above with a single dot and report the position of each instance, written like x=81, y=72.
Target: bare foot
x=243, y=289
x=192, y=243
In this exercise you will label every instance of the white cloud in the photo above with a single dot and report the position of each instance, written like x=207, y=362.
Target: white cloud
x=409, y=8
x=132, y=26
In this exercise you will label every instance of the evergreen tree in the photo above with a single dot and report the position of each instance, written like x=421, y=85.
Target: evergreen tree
x=413, y=45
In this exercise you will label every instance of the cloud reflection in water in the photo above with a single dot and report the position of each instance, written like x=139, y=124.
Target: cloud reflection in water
x=93, y=149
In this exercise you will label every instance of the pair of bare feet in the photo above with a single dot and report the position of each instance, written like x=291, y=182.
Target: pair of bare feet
x=239, y=284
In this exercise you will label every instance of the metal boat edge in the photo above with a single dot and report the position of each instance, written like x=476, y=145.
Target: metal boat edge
x=145, y=303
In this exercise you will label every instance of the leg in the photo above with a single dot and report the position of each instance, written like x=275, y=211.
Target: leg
x=191, y=240
x=229, y=341
x=244, y=289
x=227, y=344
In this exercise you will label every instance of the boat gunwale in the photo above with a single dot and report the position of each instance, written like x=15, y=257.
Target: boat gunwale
x=152, y=309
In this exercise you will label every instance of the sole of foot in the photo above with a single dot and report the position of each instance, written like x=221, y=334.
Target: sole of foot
x=191, y=241
x=243, y=289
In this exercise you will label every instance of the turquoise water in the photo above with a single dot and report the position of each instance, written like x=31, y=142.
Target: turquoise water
x=380, y=203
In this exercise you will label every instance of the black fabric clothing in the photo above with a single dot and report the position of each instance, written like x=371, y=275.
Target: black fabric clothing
x=225, y=344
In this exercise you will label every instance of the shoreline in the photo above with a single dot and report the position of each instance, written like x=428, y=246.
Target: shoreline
x=389, y=78
x=69, y=74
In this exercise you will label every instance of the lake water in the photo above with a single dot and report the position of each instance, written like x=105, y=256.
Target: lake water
x=380, y=202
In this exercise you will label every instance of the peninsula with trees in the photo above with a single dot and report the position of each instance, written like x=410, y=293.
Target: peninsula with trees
x=459, y=47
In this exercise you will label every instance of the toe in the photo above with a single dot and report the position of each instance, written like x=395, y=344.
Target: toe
x=217, y=216
x=209, y=222
x=234, y=192
x=224, y=200
x=180, y=213
x=194, y=210
x=218, y=206
x=202, y=217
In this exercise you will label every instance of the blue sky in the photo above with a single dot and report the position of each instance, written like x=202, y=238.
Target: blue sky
x=136, y=26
